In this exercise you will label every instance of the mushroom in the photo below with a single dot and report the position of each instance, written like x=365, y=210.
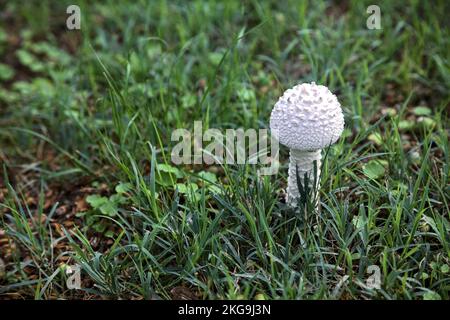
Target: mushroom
x=307, y=118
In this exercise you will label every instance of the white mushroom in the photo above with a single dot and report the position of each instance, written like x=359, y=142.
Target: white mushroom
x=307, y=118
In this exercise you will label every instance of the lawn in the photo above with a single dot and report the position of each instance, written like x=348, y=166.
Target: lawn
x=87, y=180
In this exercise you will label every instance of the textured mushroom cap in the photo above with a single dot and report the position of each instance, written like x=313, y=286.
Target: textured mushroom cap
x=307, y=117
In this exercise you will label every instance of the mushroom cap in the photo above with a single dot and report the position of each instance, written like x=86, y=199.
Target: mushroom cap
x=307, y=117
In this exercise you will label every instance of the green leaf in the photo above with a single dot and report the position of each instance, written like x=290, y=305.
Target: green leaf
x=431, y=295
x=188, y=101
x=246, y=94
x=167, y=174
x=422, y=111
x=374, y=169
x=109, y=208
x=424, y=276
x=186, y=188
x=6, y=72
x=169, y=169
x=406, y=125
x=109, y=234
x=30, y=61
x=445, y=268
x=53, y=53
x=117, y=199
x=260, y=296
x=123, y=187
x=427, y=123
x=106, y=206
x=215, y=58
x=207, y=177
x=391, y=112
x=8, y=96
x=376, y=138
x=96, y=201
x=3, y=35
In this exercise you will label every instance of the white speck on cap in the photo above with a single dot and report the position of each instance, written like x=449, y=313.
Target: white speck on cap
x=307, y=117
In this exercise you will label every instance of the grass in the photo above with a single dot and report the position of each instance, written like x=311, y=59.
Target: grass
x=85, y=127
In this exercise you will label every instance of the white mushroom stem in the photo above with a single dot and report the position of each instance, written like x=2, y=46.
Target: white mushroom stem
x=304, y=161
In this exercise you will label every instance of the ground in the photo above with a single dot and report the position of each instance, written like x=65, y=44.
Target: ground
x=86, y=179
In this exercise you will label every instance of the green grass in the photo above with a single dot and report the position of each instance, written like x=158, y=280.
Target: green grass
x=85, y=127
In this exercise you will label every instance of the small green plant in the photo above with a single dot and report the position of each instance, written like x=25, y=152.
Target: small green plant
x=102, y=207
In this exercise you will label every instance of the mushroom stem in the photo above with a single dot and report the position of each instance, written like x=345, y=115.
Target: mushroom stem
x=304, y=161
